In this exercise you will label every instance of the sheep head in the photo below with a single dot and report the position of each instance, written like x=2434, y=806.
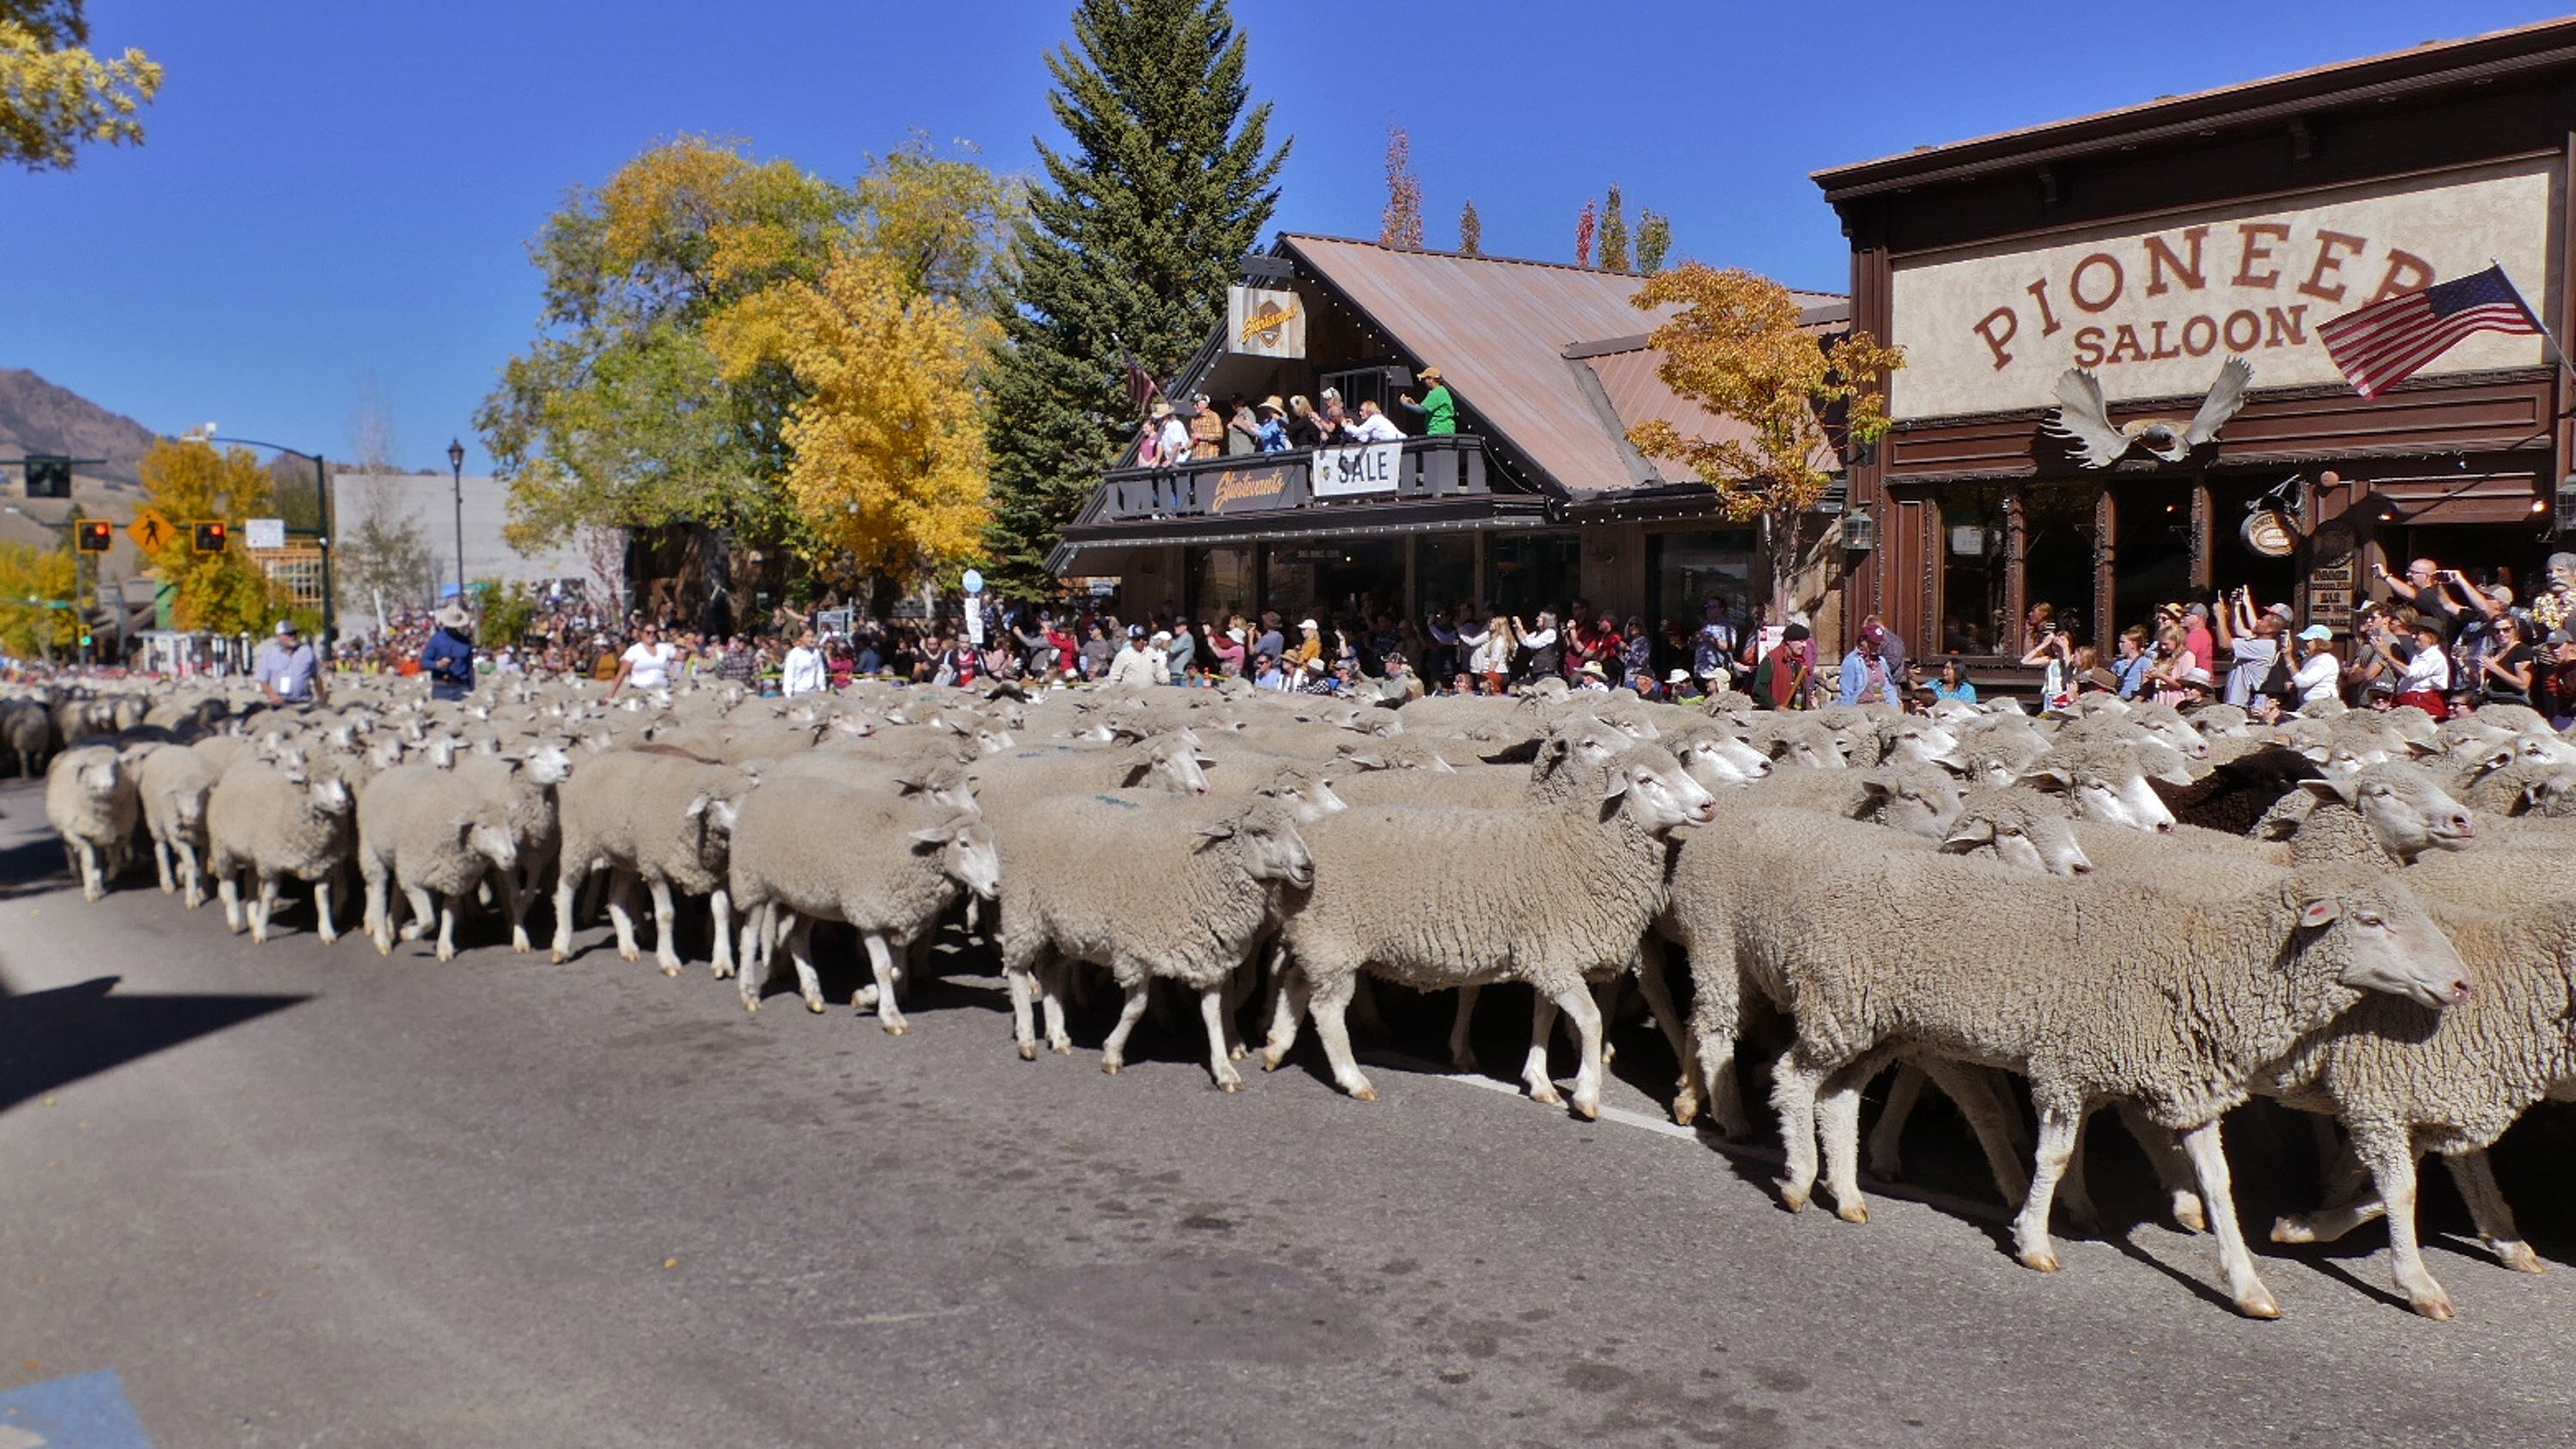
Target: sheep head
x=2373, y=926
x=1653, y=788
x=1267, y=839
x=2408, y=812
x=967, y=852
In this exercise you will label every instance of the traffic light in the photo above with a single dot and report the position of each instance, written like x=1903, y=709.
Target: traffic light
x=49, y=477
x=94, y=535
x=211, y=537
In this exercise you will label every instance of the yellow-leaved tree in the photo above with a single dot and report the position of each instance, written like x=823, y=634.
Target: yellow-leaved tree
x=192, y=483
x=888, y=467
x=57, y=95
x=35, y=592
x=1797, y=399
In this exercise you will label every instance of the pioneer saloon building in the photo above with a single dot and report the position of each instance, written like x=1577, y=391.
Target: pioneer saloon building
x=1536, y=500
x=2149, y=246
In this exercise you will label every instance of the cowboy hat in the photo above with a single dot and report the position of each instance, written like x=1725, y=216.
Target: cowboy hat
x=1272, y=404
x=1593, y=668
x=1678, y=676
x=1431, y=374
x=1159, y=410
x=453, y=617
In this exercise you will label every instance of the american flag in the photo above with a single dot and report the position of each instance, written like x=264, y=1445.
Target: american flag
x=1141, y=387
x=2386, y=343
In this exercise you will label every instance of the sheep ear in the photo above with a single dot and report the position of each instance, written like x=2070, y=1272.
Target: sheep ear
x=1367, y=762
x=2318, y=753
x=2048, y=777
x=2318, y=911
x=697, y=807
x=1219, y=830
x=2175, y=774
x=2336, y=788
x=1968, y=836
x=1616, y=786
x=1877, y=789
x=1439, y=766
x=1207, y=759
x=932, y=835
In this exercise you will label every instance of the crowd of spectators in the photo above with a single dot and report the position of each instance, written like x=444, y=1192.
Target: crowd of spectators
x=1200, y=427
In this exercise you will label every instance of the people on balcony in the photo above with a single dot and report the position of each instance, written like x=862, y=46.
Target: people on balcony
x=1438, y=410
x=1207, y=430
x=1274, y=427
x=1372, y=425
x=1242, y=431
x=1305, y=425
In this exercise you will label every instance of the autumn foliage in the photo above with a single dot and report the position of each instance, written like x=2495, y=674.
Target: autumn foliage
x=1798, y=398
x=189, y=483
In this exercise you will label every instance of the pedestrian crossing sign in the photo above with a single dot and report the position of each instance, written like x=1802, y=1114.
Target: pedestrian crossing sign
x=149, y=530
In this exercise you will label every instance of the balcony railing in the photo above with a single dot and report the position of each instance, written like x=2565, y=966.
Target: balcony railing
x=1423, y=468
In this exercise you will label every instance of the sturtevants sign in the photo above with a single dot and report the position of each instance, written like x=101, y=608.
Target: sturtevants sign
x=2153, y=309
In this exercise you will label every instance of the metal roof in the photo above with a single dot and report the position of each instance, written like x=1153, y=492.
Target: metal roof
x=1500, y=331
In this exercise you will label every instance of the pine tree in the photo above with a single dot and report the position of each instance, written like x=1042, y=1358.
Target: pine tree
x=1654, y=241
x=1401, y=226
x=1584, y=227
x=1614, y=234
x=1471, y=231
x=1132, y=235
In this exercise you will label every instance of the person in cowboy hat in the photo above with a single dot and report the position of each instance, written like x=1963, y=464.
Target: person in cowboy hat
x=1174, y=440
x=1438, y=410
x=1272, y=433
x=448, y=657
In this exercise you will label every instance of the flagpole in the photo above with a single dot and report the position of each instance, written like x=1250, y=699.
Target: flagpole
x=2548, y=338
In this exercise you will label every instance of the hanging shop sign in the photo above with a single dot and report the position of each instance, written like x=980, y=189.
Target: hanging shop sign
x=2268, y=531
x=1350, y=472
x=1253, y=490
x=1260, y=322
x=2331, y=567
x=2154, y=310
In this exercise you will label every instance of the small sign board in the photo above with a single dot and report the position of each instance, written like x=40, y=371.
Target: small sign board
x=1349, y=472
x=1263, y=322
x=150, y=531
x=264, y=532
x=974, y=582
x=1103, y=588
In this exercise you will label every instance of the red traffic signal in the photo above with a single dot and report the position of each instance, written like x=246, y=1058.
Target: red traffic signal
x=94, y=535
x=212, y=537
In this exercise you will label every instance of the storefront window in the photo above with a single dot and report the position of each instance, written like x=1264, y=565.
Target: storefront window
x=1221, y=583
x=1972, y=570
x=1358, y=575
x=1690, y=569
x=2057, y=555
x=1528, y=572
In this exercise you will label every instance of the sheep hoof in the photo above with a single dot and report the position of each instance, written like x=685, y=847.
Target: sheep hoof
x=519, y=943
x=1793, y=1198
x=1271, y=1057
x=1236, y=1054
x=2435, y=1306
x=1028, y=1051
x=384, y=948
x=2045, y=1261
x=2260, y=1304
x=1609, y=1054
x=1588, y=1108
x=2293, y=1230
x=1061, y=1048
x=411, y=930
x=1229, y=1084
x=863, y=998
x=1546, y=1096
x=897, y=1028
x=672, y=970
x=2520, y=1258
x=722, y=972
x=2187, y=1213
x=815, y=1005
x=1364, y=1093
x=1853, y=1212
x=751, y=1006
x=446, y=955
x=558, y=955
x=1111, y=1065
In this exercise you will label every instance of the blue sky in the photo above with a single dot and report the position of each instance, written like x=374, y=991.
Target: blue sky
x=335, y=198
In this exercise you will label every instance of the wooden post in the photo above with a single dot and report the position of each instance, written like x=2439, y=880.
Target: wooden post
x=2202, y=567
x=2106, y=558
x=2016, y=587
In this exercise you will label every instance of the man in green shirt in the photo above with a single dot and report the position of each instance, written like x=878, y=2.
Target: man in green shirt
x=1439, y=410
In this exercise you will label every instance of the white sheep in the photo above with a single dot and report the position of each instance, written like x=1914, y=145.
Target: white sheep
x=430, y=835
x=2166, y=998
x=91, y=802
x=174, y=782
x=274, y=824
x=663, y=819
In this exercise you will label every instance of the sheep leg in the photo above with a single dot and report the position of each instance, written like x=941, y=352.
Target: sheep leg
x=1289, y=993
x=1795, y=1082
x=1653, y=980
x=161, y=863
x=449, y=908
x=228, y=890
x=263, y=905
x=881, y=959
x=569, y=879
x=326, y=922
x=193, y=876
x=1717, y=1015
x=1212, y=1010
x=1363, y=1011
x=2076, y=1188
x=1023, y=986
x=1113, y=1052
x=1052, y=1003
x=93, y=879
x=2487, y=1207
x=800, y=954
x=1886, y=1153
x=1542, y=1087
x=1657, y=989
x=1328, y=999
x=424, y=913
x=379, y=929
x=1838, y=1126
x=1592, y=1041
x=2058, y=1124
x=1462, y=1051
x=2173, y=1169
x=514, y=904
x=720, y=907
x=1605, y=1000
x=666, y=939
x=2390, y=1155
x=2209, y=1160
x=621, y=914
x=754, y=977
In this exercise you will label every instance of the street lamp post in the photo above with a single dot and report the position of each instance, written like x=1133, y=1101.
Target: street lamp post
x=456, y=466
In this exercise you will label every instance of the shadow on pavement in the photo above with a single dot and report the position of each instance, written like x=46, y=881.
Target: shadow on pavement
x=50, y=1038
x=33, y=866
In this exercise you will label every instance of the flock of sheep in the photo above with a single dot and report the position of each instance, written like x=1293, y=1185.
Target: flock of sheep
x=2166, y=915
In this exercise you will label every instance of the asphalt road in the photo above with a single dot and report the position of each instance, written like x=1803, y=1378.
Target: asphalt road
x=301, y=1195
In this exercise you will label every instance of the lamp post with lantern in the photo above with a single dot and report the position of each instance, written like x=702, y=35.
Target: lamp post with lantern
x=456, y=467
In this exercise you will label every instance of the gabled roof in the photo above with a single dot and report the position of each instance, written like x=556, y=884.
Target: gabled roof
x=1510, y=338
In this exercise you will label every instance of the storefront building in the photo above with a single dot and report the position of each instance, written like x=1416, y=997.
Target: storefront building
x=1538, y=499
x=2149, y=246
